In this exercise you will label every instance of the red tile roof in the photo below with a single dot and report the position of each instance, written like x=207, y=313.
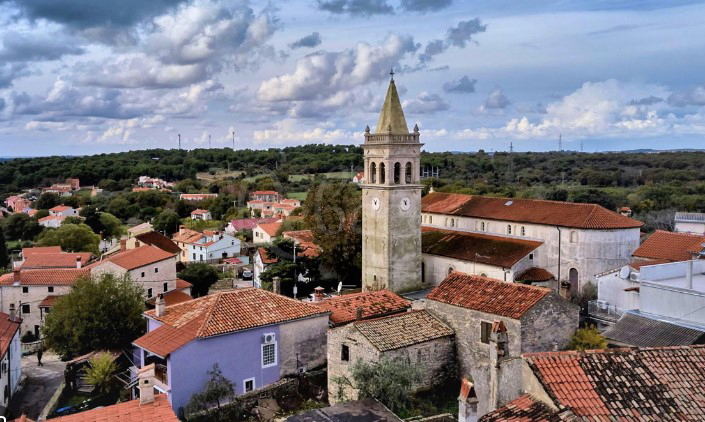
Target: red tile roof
x=554, y=213
x=56, y=260
x=159, y=240
x=182, y=284
x=527, y=409
x=264, y=256
x=171, y=297
x=304, y=240
x=535, y=274
x=40, y=250
x=403, y=330
x=8, y=328
x=187, y=236
x=374, y=304
x=488, y=249
x=265, y=192
x=52, y=217
x=139, y=257
x=166, y=339
x=637, y=264
x=199, y=211
x=488, y=295
x=60, y=208
x=670, y=246
x=47, y=277
x=48, y=301
x=249, y=223
x=270, y=228
x=626, y=384
x=158, y=411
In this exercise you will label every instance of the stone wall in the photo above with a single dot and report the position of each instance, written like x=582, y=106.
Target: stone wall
x=302, y=344
x=549, y=324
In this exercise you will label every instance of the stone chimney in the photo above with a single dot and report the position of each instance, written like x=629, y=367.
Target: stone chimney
x=358, y=313
x=123, y=245
x=318, y=294
x=78, y=261
x=181, y=229
x=277, y=285
x=12, y=312
x=499, y=350
x=689, y=275
x=16, y=275
x=467, y=402
x=160, y=307
x=146, y=377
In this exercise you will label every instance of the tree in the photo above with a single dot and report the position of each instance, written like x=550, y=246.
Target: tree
x=71, y=238
x=92, y=218
x=101, y=372
x=201, y=275
x=288, y=271
x=4, y=259
x=20, y=226
x=47, y=201
x=333, y=213
x=112, y=226
x=595, y=196
x=72, y=219
x=100, y=313
x=41, y=214
x=217, y=391
x=167, y=222
x=588, y=338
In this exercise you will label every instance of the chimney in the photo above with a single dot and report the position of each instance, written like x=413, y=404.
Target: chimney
x=181, y=229
x=146, y=382
x=358, y=313
x=123, y=245
x=12, y=312
x=318, y=294
x=160, y=305
x=467, y=402
x=689, y=275
x=137, y=243
x=277, y=285
x=78, y=261
x=498, y=352
x=16, y=276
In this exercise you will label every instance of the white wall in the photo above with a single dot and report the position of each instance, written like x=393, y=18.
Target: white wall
x=610, y=288
x=698, y=228
x=672, y=302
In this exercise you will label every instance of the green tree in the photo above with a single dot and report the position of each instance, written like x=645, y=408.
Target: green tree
x=333, y=213
x=100, y=313
x=201, y=275
x=71, y=238
x=41, y=214
x=47, y=201
x=217, y=391
x=595, y=196
x=4, y=259
x=20, y=226
x=167, y=222
x=288, y=271
x=91, y=217
x=72, y=219
x=112, y=226
x=101, y=373
x=588, y=338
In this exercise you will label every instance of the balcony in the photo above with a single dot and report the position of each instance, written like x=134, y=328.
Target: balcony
x=600, y=309
x=161, y=374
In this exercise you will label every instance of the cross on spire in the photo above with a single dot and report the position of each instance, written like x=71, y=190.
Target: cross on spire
x=391, y=72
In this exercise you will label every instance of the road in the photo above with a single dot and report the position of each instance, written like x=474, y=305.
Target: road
x=39, y=387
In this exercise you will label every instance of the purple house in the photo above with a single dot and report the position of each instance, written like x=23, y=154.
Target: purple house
x=255, y=336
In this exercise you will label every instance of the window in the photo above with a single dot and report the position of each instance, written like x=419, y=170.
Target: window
x=382, y=173
x=149, y=292
x=25, y=289
x=156, y=270
x=201, y=257
x=482, y=226
x=345, y=353
x=183, y=253
x=523, y=231
x=25, y=309
x=509, y=229
x=451, y=270
x=409, y=171
x=166, y=287
x=248, y=385
x=373, y=173
x=269, y=354
x=430, y=219
x=483, y=275
x=194, y=256
x=397, y=173
x=50, y=289
x=485, y=329
x=531, y=256
x=142, y=273
x=573, y=237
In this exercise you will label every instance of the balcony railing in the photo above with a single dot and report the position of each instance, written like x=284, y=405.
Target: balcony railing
x=600, y=309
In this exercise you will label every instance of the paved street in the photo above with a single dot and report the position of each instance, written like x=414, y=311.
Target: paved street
x=40, y=385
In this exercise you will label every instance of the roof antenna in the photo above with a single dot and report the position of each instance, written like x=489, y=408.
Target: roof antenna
x=391, y=72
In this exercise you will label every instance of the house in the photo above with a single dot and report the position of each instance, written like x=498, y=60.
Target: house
x=141, y=189
x=347, y=308
x=139, y=229
x=239, y=225
x=61, y=190
x=690, y=222
x=17, y=203
x=10, y=357
x=359, y=178
x=265, y=232
x=625, y=384
x=257, y=337
x=416, y=337
x=199, y=214
x=154, y=239
x=206, y=246
x=303, y=239
x=579, y=240
x=54, y=260
x=500, y=257
x=26, y=291
x=63, y=210
x=262, y=262
x=665, y=246
x=74, y=183
x=197, y=197
x=265, y=196
x=52, y=221
x=533, y=318
x=625, y=211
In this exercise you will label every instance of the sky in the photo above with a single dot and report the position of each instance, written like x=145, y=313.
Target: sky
x=84, y=77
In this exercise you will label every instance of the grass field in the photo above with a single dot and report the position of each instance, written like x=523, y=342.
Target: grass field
x=301, y=196
x=220, y=174
x=331, y=175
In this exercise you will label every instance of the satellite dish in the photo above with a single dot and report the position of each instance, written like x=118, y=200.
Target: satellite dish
x=624, y=272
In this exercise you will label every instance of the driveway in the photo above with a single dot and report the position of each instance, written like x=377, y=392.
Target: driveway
x=39, y=386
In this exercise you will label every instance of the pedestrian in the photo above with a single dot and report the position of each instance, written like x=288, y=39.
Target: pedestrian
x=40, y=352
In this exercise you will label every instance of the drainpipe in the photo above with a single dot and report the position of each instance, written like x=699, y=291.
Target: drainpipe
x=558, y=286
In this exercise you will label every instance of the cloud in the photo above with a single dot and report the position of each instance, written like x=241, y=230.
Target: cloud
x=310, y=41
x=11, y=71
x=458, y=36
x=426, y=103
x=37, y=46
x=356, y=7
x=496, y=100
x=694, y=97
x=323, y=74
x=462, y=85
x=285, y=132
x=647, y=101
x=424, y=5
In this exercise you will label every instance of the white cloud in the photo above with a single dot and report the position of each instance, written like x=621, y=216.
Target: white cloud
x=285, y=131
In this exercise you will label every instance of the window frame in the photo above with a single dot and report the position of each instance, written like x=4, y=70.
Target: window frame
x=27, y=307
x=50, y=289
x=344, y=353
x=276, y=355
x=25, y=289
x=244, y=385
x=485, y=332
x=149, y=292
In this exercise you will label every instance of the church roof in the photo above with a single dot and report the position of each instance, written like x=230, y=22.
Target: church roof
x=392, y=114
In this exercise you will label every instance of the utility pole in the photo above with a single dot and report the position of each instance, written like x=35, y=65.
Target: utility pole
x=179, y=141
x=233, y=140
x=581, y=146
x=209, y=141
x=560, y=142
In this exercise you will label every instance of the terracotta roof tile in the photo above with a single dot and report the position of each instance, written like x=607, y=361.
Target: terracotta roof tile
x=403, y=330
x=47, y=277
x=270, y=228
x=40, y=250
x=159, y=240
x=488, y=295
x=671, y=246
x=182, y=284
x=187, y=236
x=535, y=274
x=48, y=301
x=60, y=208
x=199, y=211
x=554, y=213
x=8, y=328
x=139, y=257
x=55, y=260
x=478, y=247
x=374, y=304
x=527, y=409
x=171, y=297
x=264, y=256
x=249, y=223
x=52, y=217
x=131, y=411
x=166, y=339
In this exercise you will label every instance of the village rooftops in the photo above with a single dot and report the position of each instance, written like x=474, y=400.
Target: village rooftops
x=304, y=241
x=265, y=192
x=183, y=284
x=535, y=274
x=158, y=411
x=187, y=236
x=644, y=330
x=45, y=277
x=690, y=217
x=250, y=223
x=140, y=228
x=671, y=246
x=52, y=217
x=199, y=212
x=8, y=328
x=60, y=208
x=270, y=228
x=488, y=295
x=483, y=248
x=403, y=330
x=139, y=257
x=374, y=304
x=40, y=250
x=527, y=409
x=625, y=384
x=531, y=211
x=171, y=297
x=56, y=260
x=221, y=313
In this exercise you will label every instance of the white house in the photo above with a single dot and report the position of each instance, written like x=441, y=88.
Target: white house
x=52, y=221
x=265, y=232
x=359, y=178
x=262, y=262
x=63, y=210
x=200, y=214
x=10, y=356
x=197, y=197
x=690, y=222
x=207, y=246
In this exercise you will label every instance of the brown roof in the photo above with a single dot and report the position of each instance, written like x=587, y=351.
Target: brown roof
x=626, y=384
x=48, y=301
x=166, y=339
x=527, y=409
x=670, y=246
x=187, y=236
x=159, y=240
x=488, y=249
x=199, y=211
x=55, y=260
x=488, y=295
x=236, y=310
x=264, y=255
x=158, y=411
x=8, y=328
x=270, y=228
x=47, y=277
x=535, y=274
x=182, y=284
x=171, y=297
x=402, y=330
x=374, y=304
x=304, y=239
x=40, y=250
x=139, y=257
x=535, y=211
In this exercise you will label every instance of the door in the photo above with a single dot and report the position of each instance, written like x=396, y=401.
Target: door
x=574, y=281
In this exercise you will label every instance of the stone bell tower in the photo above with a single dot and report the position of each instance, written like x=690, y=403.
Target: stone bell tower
x=391, y=202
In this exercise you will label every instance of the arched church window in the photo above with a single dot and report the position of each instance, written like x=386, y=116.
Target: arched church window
x=482, y=226
x=523, y=231
x=430, y=219
x=373, y=173
x=397, y=173
x=382, y=173
x=483, y=275
x=509, y=229
x=452, y=222
x=409, y=171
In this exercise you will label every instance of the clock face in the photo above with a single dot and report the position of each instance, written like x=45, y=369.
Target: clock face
x=405, y=204
x=376, y=203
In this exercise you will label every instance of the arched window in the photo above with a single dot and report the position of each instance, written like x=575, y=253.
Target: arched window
x=373, y=172
x=446, y=221
x=451, y=270
x=397, y=173
x=523, y=231
x=430, y=219
x=573, y=237
x=574, y=280
x=509, y=229
x=382, y=173
x=452, y=222
x=409, y=171
x=482, y=226
x=483, y=275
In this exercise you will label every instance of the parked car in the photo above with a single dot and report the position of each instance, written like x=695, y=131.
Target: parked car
x=247, y=275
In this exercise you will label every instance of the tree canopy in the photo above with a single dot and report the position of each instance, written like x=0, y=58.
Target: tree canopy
x=167, y=222
x=71, y=238
x=201, y=275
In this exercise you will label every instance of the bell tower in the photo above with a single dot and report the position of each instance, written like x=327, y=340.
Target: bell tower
x=391, y=202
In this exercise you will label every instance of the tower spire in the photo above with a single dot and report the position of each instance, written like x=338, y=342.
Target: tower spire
x=391, y=118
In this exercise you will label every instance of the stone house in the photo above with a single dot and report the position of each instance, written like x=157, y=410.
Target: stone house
x=257, y=337
x=416, y=337
x=348, y=308
x=63, y=210
x=535, y=319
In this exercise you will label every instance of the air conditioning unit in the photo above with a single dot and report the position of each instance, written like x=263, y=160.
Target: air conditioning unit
x=634, y=277
x=268, y=338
